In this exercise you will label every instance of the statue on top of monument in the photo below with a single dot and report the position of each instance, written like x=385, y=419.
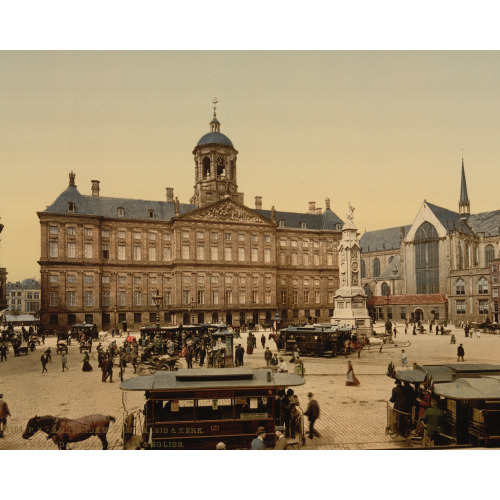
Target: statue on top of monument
x=350, y=212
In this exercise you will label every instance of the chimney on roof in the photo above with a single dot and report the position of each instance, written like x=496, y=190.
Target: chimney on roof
x=319, y=211
x=258, y=202
x=72, y=179
x=327, y=204
x=170, y=194
x=312, y=207
x=95, y=188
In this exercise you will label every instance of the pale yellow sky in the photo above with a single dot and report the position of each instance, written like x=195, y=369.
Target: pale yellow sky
x=383, y=130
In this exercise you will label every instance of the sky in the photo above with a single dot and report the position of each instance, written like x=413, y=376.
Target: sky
x=384, y=130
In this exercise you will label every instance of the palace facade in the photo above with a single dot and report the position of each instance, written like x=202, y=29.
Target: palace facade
x=213, y=259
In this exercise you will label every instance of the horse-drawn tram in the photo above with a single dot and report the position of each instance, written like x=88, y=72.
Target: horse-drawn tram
x=316, y=340
x=456, y=405
x=196, y=409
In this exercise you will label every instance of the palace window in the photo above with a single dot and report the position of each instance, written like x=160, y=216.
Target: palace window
x=255, y=297
x=105, y=280
x=53, y=249
x=460, y=307
x=241, y=297
x=255, y=254
x=105, y=252
x=199, y=235
x=121, y=252
x=241, y=254
x=229, y=297
x=71, y=279
x=53, y=278
x=89, y=299
x=71, y=231
x=54, y=299
x=185, y=252
x=167, y=253
x=200, y=252
x=88, y=250
x=137, y=253
x=228, y=254
x=53, y=230
x=120, y=234
x=200, y=295
x=283, y=297
x=71, y=299
x=152, y=254
x=122, y=280
x=152, y=236
x=267, y=297
x=137, y=298
x=71, y=250
x=167, y=300
x=214, y=253
x=215, y=297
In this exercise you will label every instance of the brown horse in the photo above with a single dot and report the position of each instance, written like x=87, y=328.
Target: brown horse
x=64, y=430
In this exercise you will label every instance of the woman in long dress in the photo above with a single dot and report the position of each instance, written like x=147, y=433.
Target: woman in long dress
x=86, y=365
x=351, y=378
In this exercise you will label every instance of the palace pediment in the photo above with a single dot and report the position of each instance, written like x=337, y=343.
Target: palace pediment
x=226, y=210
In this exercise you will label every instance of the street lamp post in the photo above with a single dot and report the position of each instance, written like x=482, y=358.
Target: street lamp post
x=157, y=299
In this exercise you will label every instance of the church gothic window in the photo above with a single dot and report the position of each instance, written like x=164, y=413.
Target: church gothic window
x=376, y=268
x=363, y=269
x=427, y=259
x=460, y=287
x=385, y=289
x=459, y=258
x=368, y=292
x=467, y=256
x=489, y=255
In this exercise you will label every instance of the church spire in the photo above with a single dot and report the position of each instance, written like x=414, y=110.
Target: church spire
x=464, y=204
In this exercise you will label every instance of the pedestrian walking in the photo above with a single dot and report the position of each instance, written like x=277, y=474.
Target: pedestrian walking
x=48, y=352
x=4, y=413
x=479, y=334
x=109, y=370
x=64, y=361
x=3, y=352
x=263, y=341
x=395, y=332
x=312, y=414
x=460, y=352
x=404, y=360
x=189, y=358
x=268, y=356
x=43, y=338
x=351, y=378
x=44, y=360
x=86, y=365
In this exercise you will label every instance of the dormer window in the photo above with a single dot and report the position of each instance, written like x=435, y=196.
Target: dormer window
x=303, y=225
x=121, y=212
x=71, y=207
x=281, y=223
x=151, y=214
x=337, y=226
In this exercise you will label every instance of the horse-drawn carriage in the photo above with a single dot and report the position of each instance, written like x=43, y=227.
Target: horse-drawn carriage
x=34, y=339
x=158, y=363
x=86, y=346
x=62, y=347
x=86, y=330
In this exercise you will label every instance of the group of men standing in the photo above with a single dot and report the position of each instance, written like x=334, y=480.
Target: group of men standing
x=239, y=353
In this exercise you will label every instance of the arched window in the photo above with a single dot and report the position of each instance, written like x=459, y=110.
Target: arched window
x=206, y=167
x=368, y=292
x=489, y=255
x=391, y=258
x=460, y=287
x=459, y=257
x=476, y=255
x=482, y=286
x=221, y=166
x=467, y=256
x=385, y=289
x=427, y=259
x=363, y=269
x=376, y=268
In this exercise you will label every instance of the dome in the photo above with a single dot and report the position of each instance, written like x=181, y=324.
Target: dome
x=215, y=138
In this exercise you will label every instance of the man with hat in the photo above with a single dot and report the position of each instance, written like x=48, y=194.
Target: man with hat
x=281, y=443
x=4, y=413
x=258, y=442
x=312, y=414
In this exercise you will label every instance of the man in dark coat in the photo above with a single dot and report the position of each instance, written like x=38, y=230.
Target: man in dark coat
x=263, y=341
x=399, y=398
x=460, y=352
x=312, y=413
x=286, y=413
x=109, y=369
x=268, y=356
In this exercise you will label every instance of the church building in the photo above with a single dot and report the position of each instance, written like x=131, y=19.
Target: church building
x=436, y=268
x=212, y=259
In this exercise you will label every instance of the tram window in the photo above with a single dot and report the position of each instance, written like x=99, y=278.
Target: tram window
x=174, y=410
x=214, y=409
x=253, y=408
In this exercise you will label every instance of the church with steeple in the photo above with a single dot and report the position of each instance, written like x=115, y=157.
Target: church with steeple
x=213, y=259
x=440, y=267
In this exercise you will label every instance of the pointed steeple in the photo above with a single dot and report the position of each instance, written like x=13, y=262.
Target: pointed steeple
x=464, y=204
x=215, y=124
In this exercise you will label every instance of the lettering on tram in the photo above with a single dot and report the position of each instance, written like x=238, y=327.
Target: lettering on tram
x=197, y=409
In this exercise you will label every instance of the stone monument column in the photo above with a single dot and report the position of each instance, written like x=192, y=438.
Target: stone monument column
x=350, y=298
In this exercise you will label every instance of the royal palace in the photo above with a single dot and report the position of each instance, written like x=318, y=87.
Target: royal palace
x=213, y=259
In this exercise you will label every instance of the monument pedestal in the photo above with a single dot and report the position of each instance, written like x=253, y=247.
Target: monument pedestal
x=350, y=298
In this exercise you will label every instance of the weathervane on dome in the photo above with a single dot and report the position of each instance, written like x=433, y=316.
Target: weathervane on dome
x=215, y=101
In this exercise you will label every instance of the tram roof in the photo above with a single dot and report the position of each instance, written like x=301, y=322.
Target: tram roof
x=483, y=387
x=448, y=373
x=211, y=378
x=318, y=328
